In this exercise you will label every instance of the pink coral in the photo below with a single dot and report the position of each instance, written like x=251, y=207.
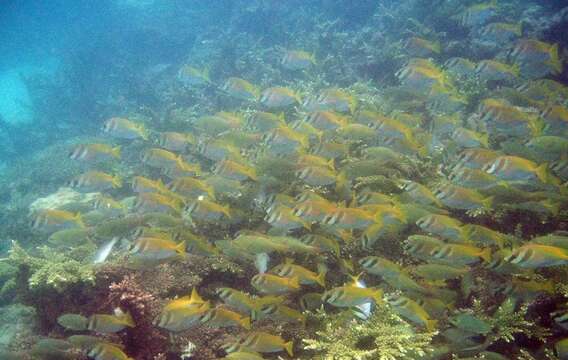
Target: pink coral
x=143, y=341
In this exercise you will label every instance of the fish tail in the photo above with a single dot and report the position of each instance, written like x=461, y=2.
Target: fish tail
x=116, y=182
x=180, y=249
x=79, y=219
x=486, y=254
x=116, y=151
x=378, y=296
x=542, y=173
x=289, y=346
x=245, y=322
x=488, y=202
x=128, y=320
x=431, y=325
x=320, y=279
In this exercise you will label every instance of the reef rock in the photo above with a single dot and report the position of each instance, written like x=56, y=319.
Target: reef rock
x=65, y=199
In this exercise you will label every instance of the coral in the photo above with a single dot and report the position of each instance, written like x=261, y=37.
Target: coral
x=144, y=340
x=17, y=324
x=384, y=336
x=52, y=270
x=508, y=321
x=65, y=199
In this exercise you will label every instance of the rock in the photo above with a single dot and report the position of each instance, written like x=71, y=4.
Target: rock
x=66, y=199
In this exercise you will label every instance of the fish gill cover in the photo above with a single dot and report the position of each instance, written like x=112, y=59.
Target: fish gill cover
x=261, y=179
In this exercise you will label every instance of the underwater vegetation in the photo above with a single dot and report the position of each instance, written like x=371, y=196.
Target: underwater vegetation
x=308, y=180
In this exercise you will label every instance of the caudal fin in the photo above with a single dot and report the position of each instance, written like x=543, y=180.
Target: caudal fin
x=289, y=346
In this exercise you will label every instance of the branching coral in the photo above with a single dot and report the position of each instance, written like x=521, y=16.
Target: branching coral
x=384, y=336
x=52, y=270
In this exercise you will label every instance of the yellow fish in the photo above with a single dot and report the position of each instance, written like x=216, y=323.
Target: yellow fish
x=110, y=323
x=240, y=89
x=157, y=249
x=95, y=181
x=220, y=317
x=175, y=141
x=107, y=351
x=297, y=60
x=51, y=220
x=125, y=129
x=275, y=285
x=278, y=97
x=94, y=153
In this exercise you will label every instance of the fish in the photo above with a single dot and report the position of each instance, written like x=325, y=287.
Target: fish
x=190, y=187
x=104, y=323
x=283, y=218
x=500, y=118
x=220, y=122
x=441, y=225
x=47, y=348
x=141, y=184
x=104, y=251
x=421, y=246
x=460, y=66
x=181, y=169
x=264, y=121
x=410, y=310
x=434, y=272
x=73, y=322
x=475, y=158
x=533, y=256
x=176, y=141
x=420, y=193
x=548, y=147
x=458, y=254
x=275, y=285
x=485, y=236
x=94, y=153
x=279, y=98
x=458, y=197
x=514, y=168
x=107, y=351
x=108, y=205
x=70, y=237
x=234, y=171
x=326, y=120
x=157, y=249
x=352, y=295
x=297, y=60
x=561, y=349
x=240, y=89
x=95, y=181
x=475, y=179
x=279, y=313
x=478, y=15
x=220, y=317
x=333, y=99
x=263, y=342
x=392, y=274
x=284, y=140
x=218, y=150
x=152, y=202
x=466, y=138
x=322, y=243
x=491, y=70
x=160, y=158
x=122, y=128
x=86, y=342
x=471, y=323
x=244, y=355
x=181, y=318
x=236, y=299
x=350, y=218
x=192, y=300
x=419, y=47
x=52, y=220
x=500, y=32
x=555, y=119
x=306, y=277
x=536, y=58
x=319, y=176
x=420, y=78
x=190, y=76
